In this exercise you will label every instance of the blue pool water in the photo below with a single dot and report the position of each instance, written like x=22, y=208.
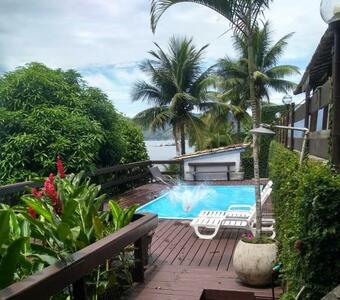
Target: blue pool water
x=186, y=202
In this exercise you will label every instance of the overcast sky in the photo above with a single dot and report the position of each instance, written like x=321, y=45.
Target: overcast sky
x=105, y=39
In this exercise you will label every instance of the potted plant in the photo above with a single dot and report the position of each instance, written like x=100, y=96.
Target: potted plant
x=254, y=258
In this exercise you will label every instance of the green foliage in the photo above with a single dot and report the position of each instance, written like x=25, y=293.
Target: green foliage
x=134, y=146
x=17, y=259
x=79, y=224
x=60, y=219
x=45, y=112
x=268, y=74
x=30, y=148
x=306, y=204
x=178, y=85
x=121, y=216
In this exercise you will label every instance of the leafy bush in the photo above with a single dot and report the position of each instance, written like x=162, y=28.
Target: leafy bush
x=307, y=211
x=45, y=112
x=58, y=220
x=247, y=162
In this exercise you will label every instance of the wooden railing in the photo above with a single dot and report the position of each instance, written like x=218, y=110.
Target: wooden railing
x=113, y=180
x=72, y=271
x=314, y=115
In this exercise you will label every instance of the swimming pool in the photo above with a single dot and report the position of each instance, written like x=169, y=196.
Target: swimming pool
x=186, y=202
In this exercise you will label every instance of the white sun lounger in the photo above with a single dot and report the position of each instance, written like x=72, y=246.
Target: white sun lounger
x=235, y=220
x=238, y=211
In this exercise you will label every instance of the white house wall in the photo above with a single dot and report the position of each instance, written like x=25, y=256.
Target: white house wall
x=224, y=157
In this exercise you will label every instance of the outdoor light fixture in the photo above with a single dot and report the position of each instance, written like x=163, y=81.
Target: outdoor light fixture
x=261, y=130
x=330, y=10
x=287, y=100
x=264, y=129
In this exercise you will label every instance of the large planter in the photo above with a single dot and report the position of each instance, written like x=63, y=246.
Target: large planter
x=253, y=262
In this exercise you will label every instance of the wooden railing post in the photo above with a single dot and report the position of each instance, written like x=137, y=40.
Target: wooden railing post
x=307, y=111
x=286, y=131
x=140, y=254
x=292, y=122
x=79, y=290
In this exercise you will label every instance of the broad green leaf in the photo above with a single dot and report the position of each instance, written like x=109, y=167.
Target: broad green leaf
x=98, y=227
x=4, y=226
x=64, y=232
x=9, y=262
x=43, y=250
x=47, y=259
x=14, y=225
x=75, y=232
x=69, y=209
x=39, y=207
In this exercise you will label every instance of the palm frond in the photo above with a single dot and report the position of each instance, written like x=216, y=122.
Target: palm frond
x=272, y=56
x=154, y=118
x=282, y=86
x=282, y=71
x=146, y=92
x=242, y=14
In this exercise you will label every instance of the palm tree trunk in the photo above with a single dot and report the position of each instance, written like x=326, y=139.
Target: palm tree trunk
x=255, y=115
x=238, y=130
x=182, y=128
x=175, y=135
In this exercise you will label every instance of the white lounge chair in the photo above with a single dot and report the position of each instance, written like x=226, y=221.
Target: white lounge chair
x=238, y=211
x=235, y=220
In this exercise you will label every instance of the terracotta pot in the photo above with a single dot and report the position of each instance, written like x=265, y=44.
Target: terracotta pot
x=253, y=262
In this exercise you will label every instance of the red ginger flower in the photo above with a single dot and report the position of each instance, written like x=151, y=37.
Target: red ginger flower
x=32, y=212
x=51, y=192
x=60, y=167
x=36, y=193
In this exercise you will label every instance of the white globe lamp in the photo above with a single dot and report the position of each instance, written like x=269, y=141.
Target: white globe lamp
x=330, y=11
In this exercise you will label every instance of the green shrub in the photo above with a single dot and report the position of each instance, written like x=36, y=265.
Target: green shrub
x=247, y=160
x=61, y=218
x=307, y=211
x=248, y=166
x=45, y=112
x=268, y=113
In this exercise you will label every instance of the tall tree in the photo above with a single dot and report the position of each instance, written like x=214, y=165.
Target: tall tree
x=45, y=112
x=269, y=74
x=178, y=87
x=243, y=16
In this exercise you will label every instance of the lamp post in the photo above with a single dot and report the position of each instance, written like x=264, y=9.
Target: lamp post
x=287, y=101
x=330, y=13
x=264, y=129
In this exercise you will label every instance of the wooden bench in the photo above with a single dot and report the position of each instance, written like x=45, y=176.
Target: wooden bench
x=195, y=165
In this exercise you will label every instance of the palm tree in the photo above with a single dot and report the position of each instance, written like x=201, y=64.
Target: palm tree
x=178, y=87
x=269, y=75
x=243, y=16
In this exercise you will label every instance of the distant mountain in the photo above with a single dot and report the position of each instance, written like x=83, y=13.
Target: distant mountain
x=166, y=134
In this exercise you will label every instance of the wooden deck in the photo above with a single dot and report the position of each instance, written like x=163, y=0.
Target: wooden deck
x=182, y=266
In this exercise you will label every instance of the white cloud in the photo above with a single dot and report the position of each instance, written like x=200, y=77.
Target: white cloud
x=105, y=39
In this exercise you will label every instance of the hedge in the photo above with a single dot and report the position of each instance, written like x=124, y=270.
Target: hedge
x=268, y=113
x=306, y=203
